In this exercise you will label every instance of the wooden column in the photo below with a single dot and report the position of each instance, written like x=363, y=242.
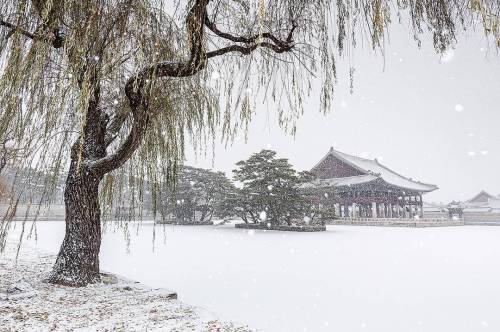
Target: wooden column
x=412, y=212
x=404, y=208
x=421, y=207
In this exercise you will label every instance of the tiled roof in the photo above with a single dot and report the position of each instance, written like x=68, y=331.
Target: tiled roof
x=372, y=170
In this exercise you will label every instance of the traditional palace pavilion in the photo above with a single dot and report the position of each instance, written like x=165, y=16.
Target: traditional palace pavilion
x=364, y=188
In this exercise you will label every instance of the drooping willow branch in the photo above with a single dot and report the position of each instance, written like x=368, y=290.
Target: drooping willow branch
x=137, y=85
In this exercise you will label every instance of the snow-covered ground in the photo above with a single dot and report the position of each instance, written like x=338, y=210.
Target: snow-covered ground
x=346, y=279
x=29, y=304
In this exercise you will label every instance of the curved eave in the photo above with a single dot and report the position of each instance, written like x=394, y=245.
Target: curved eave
x=362, y=180
x=430, y=188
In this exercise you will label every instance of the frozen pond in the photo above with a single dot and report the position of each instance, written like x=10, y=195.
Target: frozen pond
x=345, y=279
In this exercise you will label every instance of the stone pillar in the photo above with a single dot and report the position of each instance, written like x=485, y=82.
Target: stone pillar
x=353, y=210
x=374, y=210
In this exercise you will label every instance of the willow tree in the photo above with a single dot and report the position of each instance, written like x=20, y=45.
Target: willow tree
x=117, y=86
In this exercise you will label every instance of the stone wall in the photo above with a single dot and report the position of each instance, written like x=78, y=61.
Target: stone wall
x=394, y=222
x=470, y=217
x=29, y=212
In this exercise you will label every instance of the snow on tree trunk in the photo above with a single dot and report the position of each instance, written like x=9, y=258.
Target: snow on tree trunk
x=77, y=263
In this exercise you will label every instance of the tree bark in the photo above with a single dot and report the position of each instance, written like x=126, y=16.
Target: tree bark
x=77, y=263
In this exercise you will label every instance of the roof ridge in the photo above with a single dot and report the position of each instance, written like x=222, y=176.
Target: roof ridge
x=348, y=162
x=480, y=193
x=336, y=153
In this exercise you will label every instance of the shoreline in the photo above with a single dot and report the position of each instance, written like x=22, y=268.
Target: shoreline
x=117, y=303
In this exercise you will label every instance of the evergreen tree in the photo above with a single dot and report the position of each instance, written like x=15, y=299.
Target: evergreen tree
x=198, y=194
x=270, y=192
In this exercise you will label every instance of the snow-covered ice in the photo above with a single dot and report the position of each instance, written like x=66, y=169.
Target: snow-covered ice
x=345, y=279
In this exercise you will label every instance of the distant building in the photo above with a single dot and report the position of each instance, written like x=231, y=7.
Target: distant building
x=364, y=188
x=483, y=203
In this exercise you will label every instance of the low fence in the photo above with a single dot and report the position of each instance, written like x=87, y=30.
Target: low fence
x=470, y=217
x=397, y=222
x=56, y=212
x=32, y=211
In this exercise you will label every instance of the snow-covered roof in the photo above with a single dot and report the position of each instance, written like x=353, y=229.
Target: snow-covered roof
x=483, y=200
x=482, y=197
x=340, y=182
x=372, y=170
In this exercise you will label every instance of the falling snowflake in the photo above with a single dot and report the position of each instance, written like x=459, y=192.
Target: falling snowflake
x=459, y=108
x=307, y=220
x=263, y=216
x=343, y=104
x=471, y=153
x=270, y=187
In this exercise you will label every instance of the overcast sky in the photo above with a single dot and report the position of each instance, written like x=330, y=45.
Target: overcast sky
x=434, y=119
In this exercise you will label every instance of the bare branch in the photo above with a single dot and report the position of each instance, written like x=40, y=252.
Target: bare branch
x=56, y=38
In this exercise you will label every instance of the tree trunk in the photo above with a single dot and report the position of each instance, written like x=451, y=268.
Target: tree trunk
x=78, y=261
x=3, y=159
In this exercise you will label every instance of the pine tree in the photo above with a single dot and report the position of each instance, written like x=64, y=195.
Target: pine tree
x=270, y=192
x=198, y=195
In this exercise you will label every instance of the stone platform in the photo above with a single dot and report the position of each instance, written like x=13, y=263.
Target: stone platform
x=304, y=228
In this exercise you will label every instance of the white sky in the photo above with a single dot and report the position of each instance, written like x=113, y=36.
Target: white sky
x=435, y=120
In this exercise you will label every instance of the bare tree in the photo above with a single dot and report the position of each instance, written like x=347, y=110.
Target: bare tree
x=127, y=82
